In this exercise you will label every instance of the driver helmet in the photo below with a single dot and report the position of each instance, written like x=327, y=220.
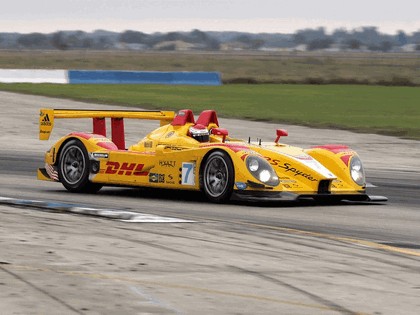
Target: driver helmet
x=199, y=132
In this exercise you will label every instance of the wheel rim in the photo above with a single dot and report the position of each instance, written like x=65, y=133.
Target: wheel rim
x=73, y=165
x=216, y=176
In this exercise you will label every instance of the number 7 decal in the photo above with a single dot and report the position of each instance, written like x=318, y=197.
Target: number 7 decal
x=188, y=173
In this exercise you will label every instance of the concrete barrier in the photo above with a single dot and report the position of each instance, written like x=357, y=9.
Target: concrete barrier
x=33, y=76
x=143, y=77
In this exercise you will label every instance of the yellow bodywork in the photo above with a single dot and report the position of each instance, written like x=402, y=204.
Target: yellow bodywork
x=169, y=158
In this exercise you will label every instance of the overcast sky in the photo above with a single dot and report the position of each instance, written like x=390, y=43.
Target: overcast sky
x=278, y=16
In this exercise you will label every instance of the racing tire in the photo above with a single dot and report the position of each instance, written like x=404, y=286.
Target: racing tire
x=74, y=168
x=217, y=177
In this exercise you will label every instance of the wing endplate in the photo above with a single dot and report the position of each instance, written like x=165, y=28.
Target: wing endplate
x=46, y=123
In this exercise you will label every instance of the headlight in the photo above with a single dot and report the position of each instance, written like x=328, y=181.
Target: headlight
x=265, y=176
x=253, y=165
x=356, y=171
x=262, y=170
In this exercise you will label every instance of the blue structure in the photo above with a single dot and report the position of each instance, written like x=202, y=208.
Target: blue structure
x=143, y=77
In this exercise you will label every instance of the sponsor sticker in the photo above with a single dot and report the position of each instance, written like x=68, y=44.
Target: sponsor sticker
x=46, y=121
x=240, y=185
x=156, y=178
x=170, y=179
x=100, y=155
x=170, y=134
x=174, y=148
x=288, y=168
x=126, y=169
x=167, y=163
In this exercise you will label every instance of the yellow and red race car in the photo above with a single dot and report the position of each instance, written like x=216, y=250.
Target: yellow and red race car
x=196, y=154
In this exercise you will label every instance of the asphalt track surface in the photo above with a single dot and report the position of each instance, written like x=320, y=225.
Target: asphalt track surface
x=231, y=259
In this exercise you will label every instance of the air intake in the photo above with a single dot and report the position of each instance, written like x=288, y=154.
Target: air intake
x=324, y=186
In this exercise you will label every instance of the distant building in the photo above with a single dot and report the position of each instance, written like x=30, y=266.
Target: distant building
x=301, y=47
x=235, y=46
x=130, y=46
x=408, y=48
x=177, y=45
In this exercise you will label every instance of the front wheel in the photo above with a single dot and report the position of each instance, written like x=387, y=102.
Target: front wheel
x=73, y=168
x=217, y=177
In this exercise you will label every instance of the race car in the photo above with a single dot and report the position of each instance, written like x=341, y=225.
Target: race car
x=198, y=155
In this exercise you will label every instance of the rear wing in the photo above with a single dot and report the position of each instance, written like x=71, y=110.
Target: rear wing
x=48, y=116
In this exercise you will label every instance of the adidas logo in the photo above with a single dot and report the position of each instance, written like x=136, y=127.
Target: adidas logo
x=46, y=121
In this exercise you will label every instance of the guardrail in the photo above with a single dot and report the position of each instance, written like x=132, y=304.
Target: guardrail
x=109, y=77
x=33, y=76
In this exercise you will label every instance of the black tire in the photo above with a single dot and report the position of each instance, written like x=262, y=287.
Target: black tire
x=217, y=177
x=73, y=168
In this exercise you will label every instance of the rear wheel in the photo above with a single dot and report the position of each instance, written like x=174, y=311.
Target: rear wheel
x=217, y=177
x=73, y=168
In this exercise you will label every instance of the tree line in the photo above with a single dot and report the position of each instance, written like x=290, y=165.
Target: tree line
x=365, y=38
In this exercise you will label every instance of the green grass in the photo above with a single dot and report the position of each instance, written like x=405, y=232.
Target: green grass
x=378, y=109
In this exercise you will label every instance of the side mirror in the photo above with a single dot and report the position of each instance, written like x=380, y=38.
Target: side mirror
x=281, y=133
x=220, y=132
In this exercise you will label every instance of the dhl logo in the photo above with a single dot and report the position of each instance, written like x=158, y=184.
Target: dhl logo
x=127, y=169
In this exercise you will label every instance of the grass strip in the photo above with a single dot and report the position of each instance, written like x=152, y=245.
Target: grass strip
x=377, y=109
